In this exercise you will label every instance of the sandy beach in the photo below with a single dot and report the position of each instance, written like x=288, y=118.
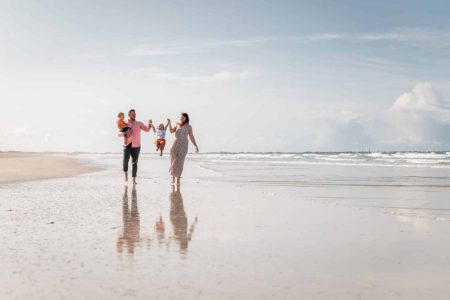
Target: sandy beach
x=18, y=167
x=232, y=231
x=219, y=150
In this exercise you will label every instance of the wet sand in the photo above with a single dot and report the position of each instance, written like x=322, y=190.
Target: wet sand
x=18, y=167
x=91, y=236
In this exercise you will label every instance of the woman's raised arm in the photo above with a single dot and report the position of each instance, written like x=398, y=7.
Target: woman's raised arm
x=167, y=124
x=171, y=129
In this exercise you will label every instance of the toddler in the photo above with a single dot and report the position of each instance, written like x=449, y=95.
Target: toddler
x=160, y=137
x=123, y=126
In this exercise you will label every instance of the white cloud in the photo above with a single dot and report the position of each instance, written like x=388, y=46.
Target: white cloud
x=90, y=55
x=413, y=36
x=420, y=118
x=422, y=98
x=341, y=135
x=174, y=49
x=416, y=120
x=405, y=35
x=224, y=76
x=151, y=51
x=325, y=37
x=16, y=132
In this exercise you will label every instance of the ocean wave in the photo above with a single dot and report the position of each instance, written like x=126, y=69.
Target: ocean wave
x=403, y=159
x=390, y=159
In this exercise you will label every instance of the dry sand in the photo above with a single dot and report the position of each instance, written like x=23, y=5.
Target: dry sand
x=91, y=237
x=17, y=167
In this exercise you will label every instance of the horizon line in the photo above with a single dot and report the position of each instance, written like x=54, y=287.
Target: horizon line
x=234, y=152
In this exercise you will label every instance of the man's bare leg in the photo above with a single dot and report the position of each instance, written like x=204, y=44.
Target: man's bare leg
x=134, y=180
x=126, y=176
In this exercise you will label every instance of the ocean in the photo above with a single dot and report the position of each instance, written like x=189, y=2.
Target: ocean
x=414, y=186
x=406, y=184
x=439, y=159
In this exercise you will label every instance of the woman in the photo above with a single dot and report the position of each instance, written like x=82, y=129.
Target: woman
x=179, y=147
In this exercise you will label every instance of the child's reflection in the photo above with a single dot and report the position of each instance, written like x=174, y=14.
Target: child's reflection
x=160, y=231
x=131, y=223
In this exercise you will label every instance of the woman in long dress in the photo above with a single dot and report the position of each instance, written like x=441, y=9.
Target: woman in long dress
x=179, y=147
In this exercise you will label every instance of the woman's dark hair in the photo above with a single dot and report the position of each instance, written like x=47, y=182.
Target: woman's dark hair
x=187, y=118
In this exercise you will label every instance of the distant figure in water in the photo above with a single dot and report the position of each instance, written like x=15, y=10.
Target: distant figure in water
x=179, y=147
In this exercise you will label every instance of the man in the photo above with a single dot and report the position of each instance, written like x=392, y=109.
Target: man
x=133, y=144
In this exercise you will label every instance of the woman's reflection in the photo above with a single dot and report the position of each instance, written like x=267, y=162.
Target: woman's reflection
x=181, y=233
x=131, y=223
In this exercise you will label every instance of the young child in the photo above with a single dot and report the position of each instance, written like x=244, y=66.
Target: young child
x=123, y=126
x=160, y=137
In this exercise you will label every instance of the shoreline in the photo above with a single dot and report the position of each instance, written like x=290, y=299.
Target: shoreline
x=213, y=238
x=16, y=167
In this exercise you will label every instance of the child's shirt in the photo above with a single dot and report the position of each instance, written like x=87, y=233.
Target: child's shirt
x=121, y=123
x=160, y=134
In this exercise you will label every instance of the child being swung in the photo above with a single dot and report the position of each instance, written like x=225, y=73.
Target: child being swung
x=160, y=137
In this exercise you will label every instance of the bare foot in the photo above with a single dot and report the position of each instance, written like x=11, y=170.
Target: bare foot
x=134, y=180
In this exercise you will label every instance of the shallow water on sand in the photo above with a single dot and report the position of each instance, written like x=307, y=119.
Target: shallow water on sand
x=218, y=237
x=418, y=192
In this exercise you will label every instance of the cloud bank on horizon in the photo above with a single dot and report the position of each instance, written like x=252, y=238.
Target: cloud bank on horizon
x=417, y=120
x=291, y=76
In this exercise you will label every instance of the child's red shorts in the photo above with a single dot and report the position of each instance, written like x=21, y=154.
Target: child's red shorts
x=160, y=142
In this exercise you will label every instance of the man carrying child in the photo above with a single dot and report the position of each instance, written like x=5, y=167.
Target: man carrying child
x=132, y=145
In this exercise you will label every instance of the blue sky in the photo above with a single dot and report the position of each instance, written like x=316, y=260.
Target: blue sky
x=254, y=75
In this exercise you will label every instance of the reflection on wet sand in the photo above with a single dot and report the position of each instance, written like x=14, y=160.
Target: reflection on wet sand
x=130, y=236
x=182, y=233
x=160, y=231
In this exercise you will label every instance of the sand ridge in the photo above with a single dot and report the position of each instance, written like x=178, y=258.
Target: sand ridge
x=19, y=167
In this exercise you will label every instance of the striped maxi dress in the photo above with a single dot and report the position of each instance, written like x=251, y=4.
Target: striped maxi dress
x=179, y=150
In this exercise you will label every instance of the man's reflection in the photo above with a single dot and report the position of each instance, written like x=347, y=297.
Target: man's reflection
x=131, y=223
x=181, y=234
